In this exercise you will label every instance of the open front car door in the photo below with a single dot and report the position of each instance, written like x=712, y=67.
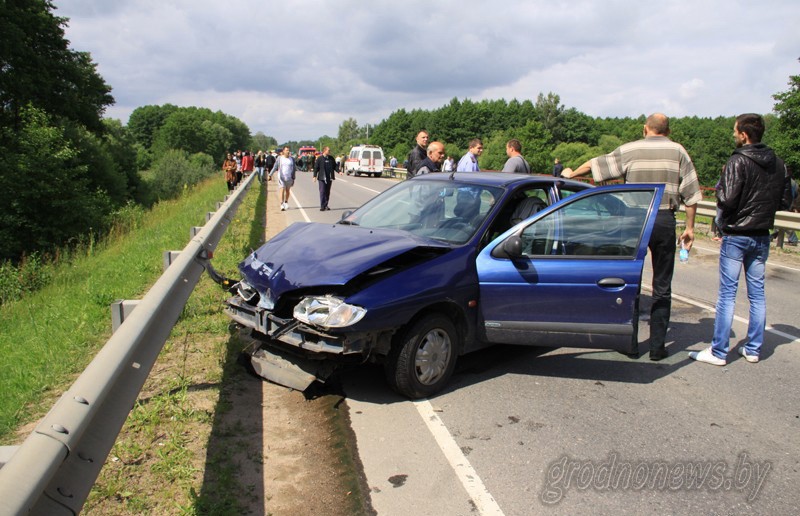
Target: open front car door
x=571, y=275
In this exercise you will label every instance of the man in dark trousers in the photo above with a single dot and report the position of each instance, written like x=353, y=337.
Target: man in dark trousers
x=417, y=154
x=325, y=168
x=755, y=183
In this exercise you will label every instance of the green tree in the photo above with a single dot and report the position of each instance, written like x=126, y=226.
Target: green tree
x=194, y=129
x=395, y=132
x=608, y=143
x=348, y=130
x=176, y=170
x=549, y=111
x=576, y=127
x=37, y=68
x=145, y=121
x=44, y=204
x=261, y=141
x=786, y=136
x=535, y=140
x=122, y=150
x=575, y=154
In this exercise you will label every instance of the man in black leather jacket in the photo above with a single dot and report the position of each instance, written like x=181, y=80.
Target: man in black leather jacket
x=417, y=154
x=755, y=183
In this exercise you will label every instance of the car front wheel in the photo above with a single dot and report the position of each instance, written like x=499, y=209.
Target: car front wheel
x=422, y=360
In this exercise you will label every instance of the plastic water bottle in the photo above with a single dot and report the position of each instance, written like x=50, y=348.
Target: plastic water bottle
x=683, y=255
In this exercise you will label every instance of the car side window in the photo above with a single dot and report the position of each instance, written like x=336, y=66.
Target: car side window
x=609, y=224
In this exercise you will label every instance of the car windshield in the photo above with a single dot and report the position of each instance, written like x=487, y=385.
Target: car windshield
x=444, y=210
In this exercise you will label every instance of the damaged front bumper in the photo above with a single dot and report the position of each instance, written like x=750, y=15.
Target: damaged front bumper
x=293, y=354
x=294, y=333
x=287, y=369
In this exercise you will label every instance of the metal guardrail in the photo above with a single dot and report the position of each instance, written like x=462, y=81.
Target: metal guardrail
x=785, y=220
x=398, y=173
x=53, y=470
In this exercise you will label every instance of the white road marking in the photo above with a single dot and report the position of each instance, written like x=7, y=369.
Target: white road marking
x=769, y=263
x=713, y=310
x=484, y=501
x=366, y=188
x=360, y=185
x=300, y=207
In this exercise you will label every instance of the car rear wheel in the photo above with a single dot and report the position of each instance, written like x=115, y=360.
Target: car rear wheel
x=423, y=358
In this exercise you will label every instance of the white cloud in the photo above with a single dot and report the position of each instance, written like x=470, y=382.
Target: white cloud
x=298, y=69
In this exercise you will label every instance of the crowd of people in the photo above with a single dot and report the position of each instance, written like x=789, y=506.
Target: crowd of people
x=754, y=184
x=240, y=164
x=284, y=166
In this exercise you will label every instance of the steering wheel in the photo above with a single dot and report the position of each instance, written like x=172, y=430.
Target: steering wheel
x=455, y=223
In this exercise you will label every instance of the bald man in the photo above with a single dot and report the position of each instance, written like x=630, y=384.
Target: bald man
x=434, y=159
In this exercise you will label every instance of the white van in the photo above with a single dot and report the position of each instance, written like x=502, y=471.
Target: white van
x=365, y=159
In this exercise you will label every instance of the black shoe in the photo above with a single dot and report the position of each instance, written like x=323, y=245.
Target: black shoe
x=658, y=354
x=322, y=209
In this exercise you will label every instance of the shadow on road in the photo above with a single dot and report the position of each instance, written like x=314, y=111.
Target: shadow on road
x=367, y=382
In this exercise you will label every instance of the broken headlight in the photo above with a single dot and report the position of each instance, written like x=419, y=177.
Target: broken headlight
x=328, y=311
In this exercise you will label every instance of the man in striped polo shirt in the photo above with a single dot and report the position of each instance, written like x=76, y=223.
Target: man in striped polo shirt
x=655, y=159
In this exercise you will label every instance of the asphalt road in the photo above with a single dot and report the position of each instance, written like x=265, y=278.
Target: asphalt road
x=539, y=431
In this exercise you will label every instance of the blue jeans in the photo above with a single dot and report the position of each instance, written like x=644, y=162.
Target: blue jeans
x=735, y=252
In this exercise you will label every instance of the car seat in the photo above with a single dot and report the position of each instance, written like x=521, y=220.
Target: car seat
x=525, y=208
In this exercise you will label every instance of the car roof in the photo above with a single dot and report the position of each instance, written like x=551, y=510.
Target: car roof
x=501, y=179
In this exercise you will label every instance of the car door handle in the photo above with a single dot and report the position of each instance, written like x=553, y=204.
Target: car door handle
x=611, y=283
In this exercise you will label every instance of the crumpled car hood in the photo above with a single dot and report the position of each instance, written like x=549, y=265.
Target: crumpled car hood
x=310, y=254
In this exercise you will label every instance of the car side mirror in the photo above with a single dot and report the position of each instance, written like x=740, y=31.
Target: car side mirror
x=346, y=214
x=510, y=248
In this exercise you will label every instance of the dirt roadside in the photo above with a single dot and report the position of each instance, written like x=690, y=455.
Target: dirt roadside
x=309, y=450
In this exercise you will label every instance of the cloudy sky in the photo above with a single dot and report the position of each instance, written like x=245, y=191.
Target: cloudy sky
x=295, y=69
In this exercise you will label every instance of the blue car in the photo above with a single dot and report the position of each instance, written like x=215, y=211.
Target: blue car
x=443, y=265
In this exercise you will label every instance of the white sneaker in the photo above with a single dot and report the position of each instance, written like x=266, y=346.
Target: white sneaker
x=283, y=206
x=750, y=358
x=706, y=356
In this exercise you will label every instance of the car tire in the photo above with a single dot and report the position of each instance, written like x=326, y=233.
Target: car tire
x=423, y=358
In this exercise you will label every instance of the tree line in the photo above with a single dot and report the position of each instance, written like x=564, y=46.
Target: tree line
x=549, y=130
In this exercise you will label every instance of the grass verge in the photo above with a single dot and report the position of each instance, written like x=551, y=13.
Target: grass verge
x=50, y=335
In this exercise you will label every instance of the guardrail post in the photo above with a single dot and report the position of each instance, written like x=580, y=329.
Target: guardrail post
x=194, y=231
x=120, y=310
x=210, y=215
x=169, y=257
